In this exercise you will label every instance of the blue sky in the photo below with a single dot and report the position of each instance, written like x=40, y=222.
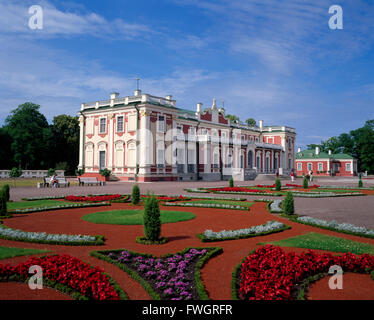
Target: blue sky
x=276, y=61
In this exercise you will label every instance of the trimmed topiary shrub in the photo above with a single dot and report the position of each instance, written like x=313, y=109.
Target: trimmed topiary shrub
x=305, y=183
x=288, y=204
x=6, y=189
x=231, y=182
x=152, y=220
x=360, y=185
x=135, y=195
x=278, y=185
x=3, y=206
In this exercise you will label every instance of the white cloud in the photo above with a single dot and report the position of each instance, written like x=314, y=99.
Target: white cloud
x=14, y=18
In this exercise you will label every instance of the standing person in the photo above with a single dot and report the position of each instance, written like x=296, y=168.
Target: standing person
x=276, y=174
x=292, y=176
x=311, y=175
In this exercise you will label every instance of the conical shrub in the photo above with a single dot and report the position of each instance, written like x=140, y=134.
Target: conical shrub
x=152, y=219
x=288, y=204
x=278, y=185
x=6, y=188
x=305, y=183
x=3, y=205
x=135, y=195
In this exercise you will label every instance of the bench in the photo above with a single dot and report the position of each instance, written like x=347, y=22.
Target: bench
x=89, y=181
x=61, y=182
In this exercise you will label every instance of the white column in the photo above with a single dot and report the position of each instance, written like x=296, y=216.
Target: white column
x=110, y=149
x=81, y=142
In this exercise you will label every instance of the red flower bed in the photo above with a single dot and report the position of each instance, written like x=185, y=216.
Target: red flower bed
x=89, y=281
x=235, y=189
x=300, y=186
x=167, y=198
x=263, y=186
x=93, y=198
x=271, y=274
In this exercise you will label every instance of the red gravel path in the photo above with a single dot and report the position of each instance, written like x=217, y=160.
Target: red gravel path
x=21, y=291
x=355, y=287
x=216, y=274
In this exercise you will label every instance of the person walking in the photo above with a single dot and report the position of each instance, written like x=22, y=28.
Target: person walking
x=292, y=176
x=311, y=175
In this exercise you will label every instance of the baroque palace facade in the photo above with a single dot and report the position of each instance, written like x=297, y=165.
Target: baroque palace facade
x=147, y=138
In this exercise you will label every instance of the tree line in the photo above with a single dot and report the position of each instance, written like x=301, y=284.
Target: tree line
x=28, y=141
x=358, y=143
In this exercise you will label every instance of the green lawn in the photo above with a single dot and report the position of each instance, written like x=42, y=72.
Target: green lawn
x=134, y=217
x=319, y=241
x=229, y=202
x=7, y=252
x=35, y=204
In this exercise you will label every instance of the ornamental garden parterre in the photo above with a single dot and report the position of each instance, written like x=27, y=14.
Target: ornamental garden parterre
x=98, y=248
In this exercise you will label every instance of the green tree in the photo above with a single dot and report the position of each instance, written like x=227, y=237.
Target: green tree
x=152, y=219
x=31, y=137
x=135, y=195
x=232, y=117
x=65, y=130
x=6, y=153
x=288, y=204
x=250, y=122
x=15, y=173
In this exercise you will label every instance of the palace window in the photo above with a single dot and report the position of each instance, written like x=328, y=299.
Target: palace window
x=320, y=166
x=310, y=166
x=120, y=124
x=192, y=131
x=102, y=125
x=299, y=166
x=347, y=167
x=161, y=124
x=160, y=157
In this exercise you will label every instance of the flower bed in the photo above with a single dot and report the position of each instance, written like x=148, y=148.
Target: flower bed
x=170, y=198
x=234, y=189
x=324, y=194
x=43, y=198
x=67, y=274
x=269, y=273
x=275, y=206
x=196, y=190
x=268, y=228
x=93, y=198
x=172, y=277
x=335, y=226
x=300, y=186
x=206, y=205
x=42, y=237
x=59, y=207
x=265, y=186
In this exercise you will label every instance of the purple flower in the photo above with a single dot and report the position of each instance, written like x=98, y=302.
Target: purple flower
x=150, y=274
x=160, y=284
x=168, y=291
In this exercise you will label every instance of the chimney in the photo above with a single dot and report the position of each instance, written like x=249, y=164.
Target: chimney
x=330, y=153
x=137, y=92
x=198, y=107
x=261, y=124
x=169, y=97
x=298, y=150
x=114, y=95
x=214, y=105
x=317, y=151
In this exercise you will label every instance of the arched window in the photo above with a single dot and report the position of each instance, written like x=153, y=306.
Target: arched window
x=250, y=159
